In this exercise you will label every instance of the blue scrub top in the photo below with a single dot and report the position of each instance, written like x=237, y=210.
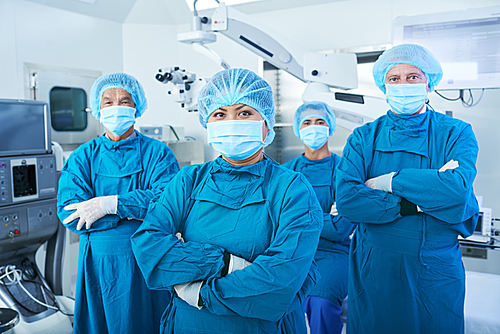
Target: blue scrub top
x=416, y=257
x=321, y=174
x=264, y=213
x=109, y=283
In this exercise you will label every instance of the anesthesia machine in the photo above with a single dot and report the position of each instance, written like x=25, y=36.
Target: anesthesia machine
x=28, y=188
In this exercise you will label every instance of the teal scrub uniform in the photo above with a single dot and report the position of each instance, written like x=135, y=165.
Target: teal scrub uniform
x=332, y=256
x=111, y=295
x=406, y=273
x=264, y=213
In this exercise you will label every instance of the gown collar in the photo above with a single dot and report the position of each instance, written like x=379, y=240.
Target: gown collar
x=119, y=158
x=232, y=186
x=308, y=161
x=405, y=134
x=258, y=169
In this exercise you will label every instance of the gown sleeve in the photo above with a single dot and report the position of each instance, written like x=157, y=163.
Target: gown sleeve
x=447, y=195
x=134, y=204
x=335, y=228
x=164, y=259
x=75, y=186
x=266, y=288
x=357, y=202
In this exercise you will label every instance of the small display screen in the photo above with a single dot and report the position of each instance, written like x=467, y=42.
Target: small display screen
x=22, y=127
x=479, y=226
x=24, y=180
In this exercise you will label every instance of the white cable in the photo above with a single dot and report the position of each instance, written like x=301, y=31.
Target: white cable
x=474, y=104
x=16, y=279
x=36, y=300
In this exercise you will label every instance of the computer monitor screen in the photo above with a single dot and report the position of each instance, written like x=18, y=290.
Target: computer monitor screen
x=24, y=127
x=467, y=43
x=479, y=226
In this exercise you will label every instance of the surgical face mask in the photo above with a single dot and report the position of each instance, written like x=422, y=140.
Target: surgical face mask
x=236, y=140
x=118, y=119
x=406, y=99
x=314, y=136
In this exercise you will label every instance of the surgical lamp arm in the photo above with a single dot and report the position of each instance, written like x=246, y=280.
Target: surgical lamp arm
x=335, y=70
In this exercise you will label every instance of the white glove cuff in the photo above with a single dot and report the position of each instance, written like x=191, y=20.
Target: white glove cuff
x=109, y=204
x=237, y=263
x=386, y=182
x=333, y=210
x=452, y=164
x=192, y=293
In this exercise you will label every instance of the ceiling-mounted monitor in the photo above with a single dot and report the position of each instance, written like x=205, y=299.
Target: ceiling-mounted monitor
x=466, y=42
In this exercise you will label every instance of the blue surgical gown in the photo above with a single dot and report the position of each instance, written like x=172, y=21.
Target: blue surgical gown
x=332, y=257
x=264, y=213
x=111, y=295
x=406, y=273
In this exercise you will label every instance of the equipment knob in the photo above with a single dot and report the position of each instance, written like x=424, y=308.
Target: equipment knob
x=160, y=77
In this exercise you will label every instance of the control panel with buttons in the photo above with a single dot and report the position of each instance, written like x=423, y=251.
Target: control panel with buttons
x=27, y=224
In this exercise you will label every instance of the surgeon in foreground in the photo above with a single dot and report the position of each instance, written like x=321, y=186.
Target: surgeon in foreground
x=104, y=192
x=313, y=123
x=235, y=237
x=406, y=179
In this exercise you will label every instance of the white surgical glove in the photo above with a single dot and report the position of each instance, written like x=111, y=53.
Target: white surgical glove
x=179, y=236
x=91, y=210
x=452, y=164
x=189, y=292
x=333, y=210
x=237, y=263
x=382, y=182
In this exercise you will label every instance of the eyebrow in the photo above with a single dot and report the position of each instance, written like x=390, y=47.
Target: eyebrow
x=237, y=108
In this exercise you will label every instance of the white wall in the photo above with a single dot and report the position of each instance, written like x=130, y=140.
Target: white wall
x=39, y=34
x=9, y=85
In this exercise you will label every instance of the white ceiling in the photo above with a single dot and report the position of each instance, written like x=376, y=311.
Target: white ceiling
x=161, y=11
x=114, y=10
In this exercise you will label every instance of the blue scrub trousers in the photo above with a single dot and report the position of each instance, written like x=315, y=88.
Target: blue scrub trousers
x=323, y=316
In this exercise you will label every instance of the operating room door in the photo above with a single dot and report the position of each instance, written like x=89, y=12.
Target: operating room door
x=49, y=84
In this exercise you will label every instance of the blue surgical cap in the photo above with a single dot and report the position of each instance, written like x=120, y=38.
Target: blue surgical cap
x=117, y=80
x=235, y=86
x=314, y=109
x=412, y=54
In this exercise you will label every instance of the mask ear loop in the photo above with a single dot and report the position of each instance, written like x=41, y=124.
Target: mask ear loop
x=429, y=105
x=268, y=157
